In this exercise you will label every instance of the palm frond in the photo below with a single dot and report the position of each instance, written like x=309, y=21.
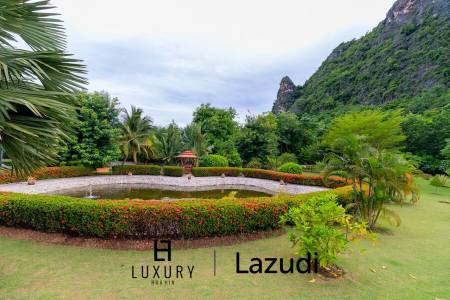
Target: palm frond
x=32, y=21
x=37, y=87
x=391, y=216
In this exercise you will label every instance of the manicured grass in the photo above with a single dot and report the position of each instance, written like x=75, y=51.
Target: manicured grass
x=416, y=256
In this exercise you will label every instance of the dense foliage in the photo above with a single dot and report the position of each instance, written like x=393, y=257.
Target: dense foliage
x=168, y=142
x=315, y=228
x=377, y=172
x=295, y=133
x=95, y=142
x=222, y=130
x=258, y=138
x=378, y=129
x=196, y=140
x=214, y=160
x=291, y=168
x=396, y=60
x=426, y=137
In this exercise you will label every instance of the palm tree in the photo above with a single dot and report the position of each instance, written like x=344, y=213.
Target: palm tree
x=168, y=142
x=195, y=140
x=378, y=176
x=388, y=178
x=347, y=161
x=36, y=86
x=136, y=134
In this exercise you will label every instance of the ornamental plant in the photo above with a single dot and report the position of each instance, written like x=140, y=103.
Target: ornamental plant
x=439, y=180
x=291, y=168
x=254, y=163
x=315, y=230
x=377, y=177
x=47, y=173
x=147, y=218
x=214, y=160
x=286, y=158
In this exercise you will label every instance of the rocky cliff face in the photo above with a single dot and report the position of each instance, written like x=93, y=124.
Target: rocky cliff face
x=405, y=55
x=406, y=11
x=284, y=96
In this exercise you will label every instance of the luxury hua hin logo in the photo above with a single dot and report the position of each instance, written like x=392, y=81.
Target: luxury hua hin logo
x=166, y=273
x=162, y=274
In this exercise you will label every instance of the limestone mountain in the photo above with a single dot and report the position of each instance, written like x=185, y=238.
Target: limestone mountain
x=405, y=56
x=284, y=96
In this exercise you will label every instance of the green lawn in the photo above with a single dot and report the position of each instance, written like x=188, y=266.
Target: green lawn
x=416, y=256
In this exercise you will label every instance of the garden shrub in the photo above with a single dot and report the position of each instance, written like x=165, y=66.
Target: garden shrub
x=174, y=171
x=214, y=160
x=331, y=182
x=439, y=180
x=145, y=218
x=137, y=169
x=228, y=171
x=287, y=158
x=254, y=163
x=291, y=168
x=316, y=232
x=48, y=173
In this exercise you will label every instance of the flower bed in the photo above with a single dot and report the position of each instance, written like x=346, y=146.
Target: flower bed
x=48, y=173
x=332, y=182
x=146, y=219
x=137, y=169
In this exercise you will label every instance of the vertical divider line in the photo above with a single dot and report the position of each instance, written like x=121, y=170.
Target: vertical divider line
x=214, y=262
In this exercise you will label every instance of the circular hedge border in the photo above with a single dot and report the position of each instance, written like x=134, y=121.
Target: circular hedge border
x=149, y=218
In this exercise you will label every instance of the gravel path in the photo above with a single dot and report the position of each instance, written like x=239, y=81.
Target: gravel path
x=49, y=186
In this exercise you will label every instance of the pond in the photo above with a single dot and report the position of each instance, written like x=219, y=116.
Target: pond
x=152, y=193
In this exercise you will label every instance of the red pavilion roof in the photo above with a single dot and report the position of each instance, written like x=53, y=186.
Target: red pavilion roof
x=187, y=154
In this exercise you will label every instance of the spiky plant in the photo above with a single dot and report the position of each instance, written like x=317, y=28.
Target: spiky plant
x=196, y=140
x=168, y=143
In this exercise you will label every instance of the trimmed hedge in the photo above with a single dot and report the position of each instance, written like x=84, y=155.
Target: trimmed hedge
x=64, y=172
x=291, y=168
x=332, y=182
x=146, y=218
x=48, y=173
x=172, y=171
x=137, y=169
x=214, y=160
x=204, y=171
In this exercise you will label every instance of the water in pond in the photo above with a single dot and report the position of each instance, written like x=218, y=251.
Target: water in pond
x=127, y=192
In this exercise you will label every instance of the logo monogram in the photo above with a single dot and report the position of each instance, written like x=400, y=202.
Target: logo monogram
x=168, y=249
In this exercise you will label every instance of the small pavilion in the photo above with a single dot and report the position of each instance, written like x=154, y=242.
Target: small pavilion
x=188, y=160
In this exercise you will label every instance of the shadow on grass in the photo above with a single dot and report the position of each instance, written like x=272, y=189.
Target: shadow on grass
x=384, y=231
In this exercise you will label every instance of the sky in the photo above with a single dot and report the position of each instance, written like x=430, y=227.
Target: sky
x=169, y=56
